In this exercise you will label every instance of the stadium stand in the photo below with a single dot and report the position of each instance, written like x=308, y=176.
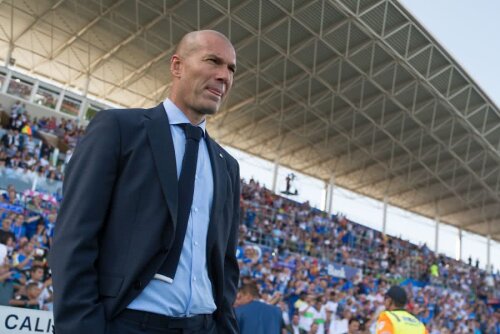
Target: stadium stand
x=286, y=247
x=323, y=269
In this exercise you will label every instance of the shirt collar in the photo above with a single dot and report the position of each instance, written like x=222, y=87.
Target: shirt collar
x=176, y=116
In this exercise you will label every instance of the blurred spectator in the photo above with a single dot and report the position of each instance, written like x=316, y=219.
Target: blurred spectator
x=27, y=297
x=22, y=259
x=254, y=316
x=293, y=327
x=37, y=275
x=317, y=313
x=353, y=327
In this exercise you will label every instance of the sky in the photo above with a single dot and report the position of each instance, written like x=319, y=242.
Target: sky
x=470, y=31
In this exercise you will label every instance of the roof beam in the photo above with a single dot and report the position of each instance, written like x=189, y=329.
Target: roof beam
x=493, y=217
x=137, y=74
x=37, y=20
x=460, y=210
x=60, y=49
x=99, y=61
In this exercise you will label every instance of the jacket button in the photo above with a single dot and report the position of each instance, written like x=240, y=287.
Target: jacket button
x=138, y=285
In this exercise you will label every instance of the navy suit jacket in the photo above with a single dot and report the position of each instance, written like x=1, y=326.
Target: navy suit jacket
x=117, y=221
x=259, y=318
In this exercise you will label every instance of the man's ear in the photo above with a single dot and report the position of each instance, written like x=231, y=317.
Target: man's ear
x=175, y=66
x=391, y=303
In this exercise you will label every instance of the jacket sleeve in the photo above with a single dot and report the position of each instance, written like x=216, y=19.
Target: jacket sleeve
x=231, y=269
x=87, y=191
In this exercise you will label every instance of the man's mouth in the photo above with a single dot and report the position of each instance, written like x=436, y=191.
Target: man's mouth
x=215, y=91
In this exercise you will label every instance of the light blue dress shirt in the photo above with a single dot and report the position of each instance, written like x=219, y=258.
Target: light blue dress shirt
x=191, y=291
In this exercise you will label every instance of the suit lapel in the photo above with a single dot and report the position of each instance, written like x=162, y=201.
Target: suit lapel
x=162, y=146
x=218, y=162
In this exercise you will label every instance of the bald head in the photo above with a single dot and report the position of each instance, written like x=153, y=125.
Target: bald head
x=192, y=41
x=202, y=69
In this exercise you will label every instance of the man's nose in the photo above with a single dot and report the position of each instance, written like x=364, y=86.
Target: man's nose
x=225, y=75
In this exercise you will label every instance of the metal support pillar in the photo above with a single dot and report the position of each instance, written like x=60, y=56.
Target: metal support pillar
x=34, y=90
x=275, y=174
x=436, y=236
x=330, y=195
x=329, y=189
x=9, y=55
x=384, y=216
x=11, y=40
x=60, y=100
x=327, y=192
x=6, y=82
x=488, y=253
x=85, y=101
x=83, y=108
x=459, y=245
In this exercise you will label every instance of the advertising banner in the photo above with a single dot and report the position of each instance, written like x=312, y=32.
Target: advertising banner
x=16, y=320
x=346, y=272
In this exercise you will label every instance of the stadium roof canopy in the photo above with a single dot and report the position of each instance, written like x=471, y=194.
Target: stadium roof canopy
x=351, y=88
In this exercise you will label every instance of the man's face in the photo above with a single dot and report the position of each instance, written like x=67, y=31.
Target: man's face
x=28, y=249
x=354, y=327
x=33, y=292
x=19, y=220
x=6, y=224
x=387, y=303
x=52, y=218
x=37, y=275
x=205, y=75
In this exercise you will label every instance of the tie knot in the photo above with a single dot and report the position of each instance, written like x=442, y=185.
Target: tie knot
x=192, y=132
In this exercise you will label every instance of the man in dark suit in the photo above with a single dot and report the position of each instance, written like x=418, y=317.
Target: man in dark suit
x=146, y=236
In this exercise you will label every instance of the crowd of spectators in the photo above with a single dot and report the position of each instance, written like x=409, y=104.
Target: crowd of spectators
x=285, y=247
x=27, y=225
x=21, y=150
x=67, y=130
